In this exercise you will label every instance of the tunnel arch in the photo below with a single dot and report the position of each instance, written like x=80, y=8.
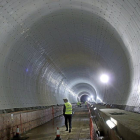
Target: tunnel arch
x=46, y=46
x=84, y=88
x=84, y=98
x=81, y=94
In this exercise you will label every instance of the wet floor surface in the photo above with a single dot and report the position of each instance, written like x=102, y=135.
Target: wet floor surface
x=80, y=128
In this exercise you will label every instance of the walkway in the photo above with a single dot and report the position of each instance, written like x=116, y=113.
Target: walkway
x=80, y=127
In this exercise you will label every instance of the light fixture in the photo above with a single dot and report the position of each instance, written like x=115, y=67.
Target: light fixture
x=110, y=124
x=88, y=99
x=104, y=78
x=95, y=108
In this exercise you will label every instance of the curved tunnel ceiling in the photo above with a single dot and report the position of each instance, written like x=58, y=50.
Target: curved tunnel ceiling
x=84, y=88
x=84, y=93
x=48, y=47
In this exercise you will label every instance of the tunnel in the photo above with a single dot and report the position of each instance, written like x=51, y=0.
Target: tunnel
x=56, y=49
x=84, y=98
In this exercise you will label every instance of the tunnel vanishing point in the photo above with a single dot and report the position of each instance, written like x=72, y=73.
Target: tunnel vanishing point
x=55, y=49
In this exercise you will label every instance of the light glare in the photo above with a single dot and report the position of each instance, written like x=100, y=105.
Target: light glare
x=114, y=121
x=95, y=108
x=104, y=78
x=99, y=99
x=110, y=124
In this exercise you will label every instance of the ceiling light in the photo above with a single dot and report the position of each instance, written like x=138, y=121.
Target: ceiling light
x=95, y=108
x=104, y=78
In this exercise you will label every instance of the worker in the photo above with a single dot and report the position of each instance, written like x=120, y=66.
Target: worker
x=67, y=112
x=78, y=104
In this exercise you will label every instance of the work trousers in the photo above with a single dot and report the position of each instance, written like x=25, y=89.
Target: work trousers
x=68, y=118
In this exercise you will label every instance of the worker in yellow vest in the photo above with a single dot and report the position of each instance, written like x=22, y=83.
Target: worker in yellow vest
x=78, y=104
x=67, y=112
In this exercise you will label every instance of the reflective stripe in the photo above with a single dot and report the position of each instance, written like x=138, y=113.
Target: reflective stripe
x=68, y=108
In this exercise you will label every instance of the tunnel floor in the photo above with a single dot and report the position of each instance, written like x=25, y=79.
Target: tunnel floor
x=80, y=127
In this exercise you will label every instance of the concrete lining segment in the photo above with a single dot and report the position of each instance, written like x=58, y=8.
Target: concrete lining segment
x=47, y=46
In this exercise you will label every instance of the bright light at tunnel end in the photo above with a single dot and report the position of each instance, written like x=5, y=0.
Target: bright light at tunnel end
x=104, y=78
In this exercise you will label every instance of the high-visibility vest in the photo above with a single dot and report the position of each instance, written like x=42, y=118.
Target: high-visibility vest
x=85, y=103
x=68, y=108
x=78, y=103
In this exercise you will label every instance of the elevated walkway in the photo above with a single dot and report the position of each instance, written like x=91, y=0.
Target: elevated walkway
x=80, y=127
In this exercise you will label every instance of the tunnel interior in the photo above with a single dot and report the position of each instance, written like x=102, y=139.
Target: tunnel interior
x=84, y=98
x=52, y=50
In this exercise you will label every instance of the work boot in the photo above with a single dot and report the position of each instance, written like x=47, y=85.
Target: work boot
x=66, y=129
x=69, y=130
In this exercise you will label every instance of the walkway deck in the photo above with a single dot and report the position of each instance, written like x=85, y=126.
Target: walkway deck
x=80, y=127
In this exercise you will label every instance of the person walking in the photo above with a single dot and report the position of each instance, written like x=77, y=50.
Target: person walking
x=67, y=112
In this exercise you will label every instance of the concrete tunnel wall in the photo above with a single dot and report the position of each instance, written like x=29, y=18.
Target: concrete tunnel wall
x=49, y=46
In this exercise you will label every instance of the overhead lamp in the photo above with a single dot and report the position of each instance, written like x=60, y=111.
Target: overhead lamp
x=95, y=108
x=110, y=124
x=88, y=99
x=104, y=78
